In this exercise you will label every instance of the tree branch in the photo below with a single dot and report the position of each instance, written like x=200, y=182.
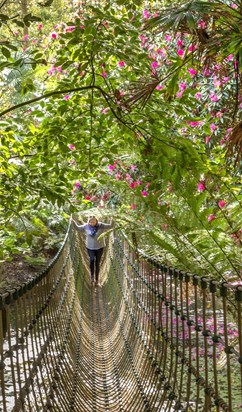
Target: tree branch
x=54, y=93
x=3, y=3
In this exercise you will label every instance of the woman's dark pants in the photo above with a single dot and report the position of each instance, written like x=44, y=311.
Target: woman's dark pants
x=95, y=259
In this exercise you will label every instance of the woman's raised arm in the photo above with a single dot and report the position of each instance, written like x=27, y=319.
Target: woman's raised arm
x=78, y=227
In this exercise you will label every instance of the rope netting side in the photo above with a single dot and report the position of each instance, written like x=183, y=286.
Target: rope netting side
x=36, y=321
x=190, y=327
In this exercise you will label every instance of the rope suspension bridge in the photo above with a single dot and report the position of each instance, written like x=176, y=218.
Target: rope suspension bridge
x=152, y=338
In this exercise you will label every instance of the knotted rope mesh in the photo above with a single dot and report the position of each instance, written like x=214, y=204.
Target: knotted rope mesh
x=152, y=338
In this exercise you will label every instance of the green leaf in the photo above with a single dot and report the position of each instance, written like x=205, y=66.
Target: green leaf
x=3, y=17
x=6, y=52
x=19, y=23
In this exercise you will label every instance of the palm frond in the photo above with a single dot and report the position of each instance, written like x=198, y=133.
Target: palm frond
x=234, y=145
x=141, y=91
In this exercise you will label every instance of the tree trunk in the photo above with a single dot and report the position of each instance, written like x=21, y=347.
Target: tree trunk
x=24, y=11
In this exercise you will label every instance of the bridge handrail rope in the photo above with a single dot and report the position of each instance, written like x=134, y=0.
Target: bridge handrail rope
x=153, y=338
x=185, y=281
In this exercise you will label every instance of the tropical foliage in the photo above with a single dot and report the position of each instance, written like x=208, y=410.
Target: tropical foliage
x=131, y=110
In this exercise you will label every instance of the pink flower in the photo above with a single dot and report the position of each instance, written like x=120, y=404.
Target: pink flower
x=159, y=87
x=67, y=97
x=118, y=176
x=168, y=38
x=194, y=124
x=228, y=133
x=213, y=127
x=143, y=40
x=111, y=167
x=198, y=96
x=146, y=14
x=179, y=94
x=104, y=111
x=202, y=24
x=133, y=185
x=162, y=52
x=206, y=71
x=53, y=35
x=211, y=217
x=184, y=130
x=26, y=36
x=72, y=147
x=192, y=72
x=77, y=184
x=221, y=203
x=154, y=64
x=207, y=139
x=144, y=193
x=121, y=64
x=104, y=74
x=182, y=86
x=217, y=67
x=213, y=97
x=179, y=43
x=230, y=57
x=200, y=187
x=216, y=82
x=105, y=196
x=180, y=52
x=225, y=79
x=192, y=47
x=40, y=26
x=70, y=29
x=133, y=206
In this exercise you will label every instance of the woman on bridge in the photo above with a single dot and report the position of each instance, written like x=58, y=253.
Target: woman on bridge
x=95, y=246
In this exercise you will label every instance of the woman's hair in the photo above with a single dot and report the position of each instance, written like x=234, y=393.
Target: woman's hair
x=92, y=217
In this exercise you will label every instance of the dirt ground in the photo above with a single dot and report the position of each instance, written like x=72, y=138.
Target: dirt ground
x=18, y=271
